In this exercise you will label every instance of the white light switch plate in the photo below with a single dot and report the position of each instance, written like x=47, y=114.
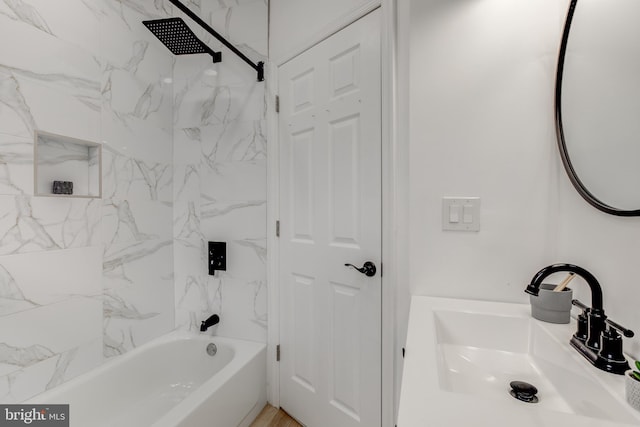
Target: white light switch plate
x=461, y=213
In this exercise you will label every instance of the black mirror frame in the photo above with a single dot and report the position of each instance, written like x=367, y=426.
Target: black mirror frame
x=562, y=147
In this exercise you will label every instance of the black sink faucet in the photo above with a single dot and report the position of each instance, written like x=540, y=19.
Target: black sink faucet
x=596, y=290
x=212, y=320
x=603, y=348
x=595, y=314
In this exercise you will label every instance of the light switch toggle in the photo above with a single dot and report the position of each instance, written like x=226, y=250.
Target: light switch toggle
x=454, y=214
x=461, y=213
x=467, y=213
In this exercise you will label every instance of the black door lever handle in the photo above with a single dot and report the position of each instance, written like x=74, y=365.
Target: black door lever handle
x=368, y=269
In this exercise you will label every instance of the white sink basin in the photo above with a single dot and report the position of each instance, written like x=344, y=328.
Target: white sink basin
x=462, y=355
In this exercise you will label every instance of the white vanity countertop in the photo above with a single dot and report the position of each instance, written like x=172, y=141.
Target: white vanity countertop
x=424, y=403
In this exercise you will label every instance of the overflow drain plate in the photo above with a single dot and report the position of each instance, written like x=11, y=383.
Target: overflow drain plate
x=212, y=349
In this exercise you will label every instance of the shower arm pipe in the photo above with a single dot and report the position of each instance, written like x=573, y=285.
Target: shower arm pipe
x=259, y=67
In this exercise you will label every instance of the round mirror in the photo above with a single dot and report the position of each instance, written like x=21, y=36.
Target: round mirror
x=598, y=103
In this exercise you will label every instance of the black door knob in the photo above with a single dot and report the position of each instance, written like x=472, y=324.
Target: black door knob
x=368, y=269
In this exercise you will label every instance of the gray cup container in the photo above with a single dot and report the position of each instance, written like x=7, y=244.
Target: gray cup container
x=552, y=307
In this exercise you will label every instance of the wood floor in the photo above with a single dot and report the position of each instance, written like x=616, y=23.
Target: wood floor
x=272, y=417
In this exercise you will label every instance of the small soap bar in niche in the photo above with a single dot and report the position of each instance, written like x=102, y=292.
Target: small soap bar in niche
x=62, y=187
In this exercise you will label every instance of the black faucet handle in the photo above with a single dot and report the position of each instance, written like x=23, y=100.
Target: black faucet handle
x=610, y=357
x=580, y=305
x=626, y=332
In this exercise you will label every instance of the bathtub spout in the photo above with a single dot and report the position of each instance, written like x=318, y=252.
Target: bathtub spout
x=206, y=324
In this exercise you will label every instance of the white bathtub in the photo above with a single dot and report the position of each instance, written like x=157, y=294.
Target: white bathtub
x=169, y=382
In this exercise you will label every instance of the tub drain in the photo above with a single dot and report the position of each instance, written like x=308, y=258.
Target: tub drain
x=212, y=349
x=524, y=391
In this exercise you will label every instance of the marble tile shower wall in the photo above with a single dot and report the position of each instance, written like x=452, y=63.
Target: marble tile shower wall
x=83, y=279
x=220, y=174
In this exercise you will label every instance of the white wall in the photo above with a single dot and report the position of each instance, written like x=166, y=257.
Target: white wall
x=481, y=113
x=294, y=22
x=482, y=125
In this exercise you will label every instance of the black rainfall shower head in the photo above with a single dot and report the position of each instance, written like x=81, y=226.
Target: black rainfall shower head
x=179, y=38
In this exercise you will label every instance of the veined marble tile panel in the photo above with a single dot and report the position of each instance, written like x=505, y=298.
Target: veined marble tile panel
x=129, y=13
x=190, y=257
x=131, y=263
x=192, y=67
x=234, y=142
x=126, y=177
x=41, y=333
x=21, y=384
x=187, y=155
x=12, y=298
x=187, y=144
x=234, y=181
x=122, y=335
x=230, y=3
x=186, y=186
x=28, y=281
x=26, y=382
x=136, y=138
x=15, y=116
x=139, y=295
x=134, y=74
x=196, y=299
x=135, y=66
x=44, y=57
x=247, y=259
x=147, y=299
x=73, y=222
x=134, y=49
x=131, y=98
x=24, y=12
x=234, y=220
x=135, y=220
x=16, y=164
x=187, y=224
x=77, y=361
x=32, y=224
x=58, y=104
x=254, y=49
x=72, y=21
x=199, y=103
x=126, y=326
x=239, y=23
x=242, y=307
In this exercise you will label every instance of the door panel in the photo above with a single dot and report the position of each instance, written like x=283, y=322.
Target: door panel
x=301, y=182
x=345, y=363
x=330, y=214
x=303, y=315
x=345, y=183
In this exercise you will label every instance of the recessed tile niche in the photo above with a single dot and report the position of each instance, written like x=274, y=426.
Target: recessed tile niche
x=61, y=158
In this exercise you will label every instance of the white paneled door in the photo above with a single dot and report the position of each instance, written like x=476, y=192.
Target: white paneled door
x=330, y=215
